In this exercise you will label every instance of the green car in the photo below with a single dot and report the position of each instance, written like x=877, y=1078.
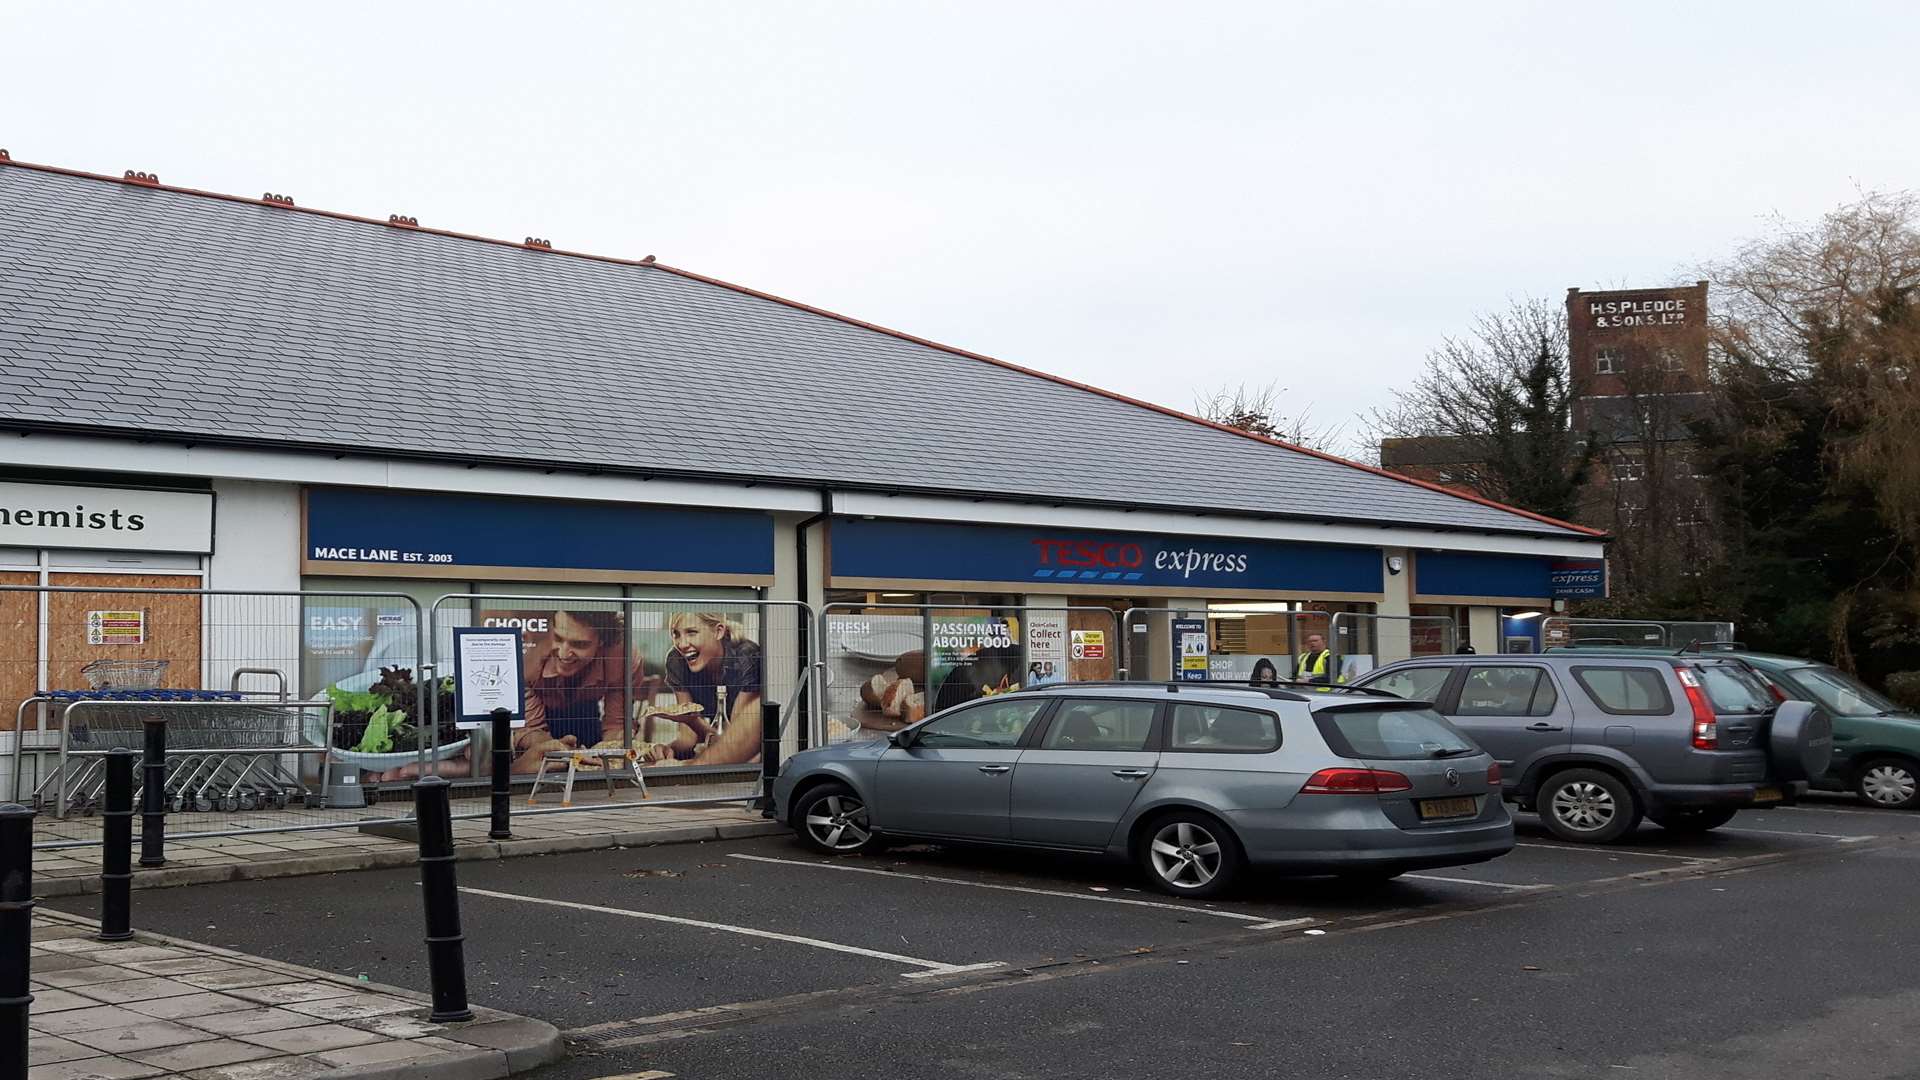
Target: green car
x=1876, y=743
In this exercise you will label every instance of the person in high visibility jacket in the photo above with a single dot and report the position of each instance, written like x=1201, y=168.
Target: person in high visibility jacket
x=1311, y=666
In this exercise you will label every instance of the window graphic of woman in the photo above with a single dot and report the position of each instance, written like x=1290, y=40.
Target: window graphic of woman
x=1264, y=673
x=711, y=651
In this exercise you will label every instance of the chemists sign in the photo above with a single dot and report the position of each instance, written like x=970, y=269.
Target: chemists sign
x=105, y=519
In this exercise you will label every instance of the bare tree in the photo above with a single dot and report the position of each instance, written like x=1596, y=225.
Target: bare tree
x=1651, y=496
x=1500, y=395
x=1837, y=304
x=1258, y=410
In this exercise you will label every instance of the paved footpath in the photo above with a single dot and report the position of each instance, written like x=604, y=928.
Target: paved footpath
x=158, y=1007
x=73, y=871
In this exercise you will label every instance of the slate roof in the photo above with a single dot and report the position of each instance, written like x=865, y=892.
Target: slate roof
x=157, y=311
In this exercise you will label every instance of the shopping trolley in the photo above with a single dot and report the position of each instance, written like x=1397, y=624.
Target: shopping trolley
x=224, y=751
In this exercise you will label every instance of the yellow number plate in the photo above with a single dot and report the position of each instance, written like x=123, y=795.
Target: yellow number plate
x=1432, y=809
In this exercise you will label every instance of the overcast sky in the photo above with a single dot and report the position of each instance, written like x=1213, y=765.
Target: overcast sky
x=1154, y=198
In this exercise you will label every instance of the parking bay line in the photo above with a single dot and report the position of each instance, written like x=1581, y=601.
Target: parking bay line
x=1257, y=922
x=1906, y=815
x=1602, y=849
x=1510, y=886
x=1842, y=838
x=930, y=967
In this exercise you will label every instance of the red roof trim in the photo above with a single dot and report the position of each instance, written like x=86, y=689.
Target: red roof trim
x=875, y=327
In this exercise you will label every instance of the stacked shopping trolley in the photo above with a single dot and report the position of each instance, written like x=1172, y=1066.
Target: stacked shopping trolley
x=225, y=750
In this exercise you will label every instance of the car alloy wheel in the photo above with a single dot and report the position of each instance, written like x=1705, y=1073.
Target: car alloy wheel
x=1888, y=783
x=839, y=822
x=1583, y=806
x=1185, y=855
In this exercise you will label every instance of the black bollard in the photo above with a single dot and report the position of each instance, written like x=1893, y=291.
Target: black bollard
x=769, y=755
x=502, y=781
x=116, y=849
x=446, y=953
x=16, y=933
x=153, y=794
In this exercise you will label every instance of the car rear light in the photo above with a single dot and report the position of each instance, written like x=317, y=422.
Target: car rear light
x=1493, y=775
x=1355, y=782
x=1706, y=731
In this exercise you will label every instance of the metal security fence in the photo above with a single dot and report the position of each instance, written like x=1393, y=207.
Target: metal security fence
x=883, y=666
x=1151, y=653
x=243, y=688
x=1561, y=631
x=261, y=712
x=678, y=687
x=1362, y=641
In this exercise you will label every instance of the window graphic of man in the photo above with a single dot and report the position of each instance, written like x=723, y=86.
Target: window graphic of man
x=575, y=692
x=710, y=651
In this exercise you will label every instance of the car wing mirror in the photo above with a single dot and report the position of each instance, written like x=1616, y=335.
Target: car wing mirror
x=899, y=740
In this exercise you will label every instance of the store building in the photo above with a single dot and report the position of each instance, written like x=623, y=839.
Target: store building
x=286, y=399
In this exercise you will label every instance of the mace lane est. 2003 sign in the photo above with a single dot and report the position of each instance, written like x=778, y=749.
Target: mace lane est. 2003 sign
x=486, y=536
x=903, y=551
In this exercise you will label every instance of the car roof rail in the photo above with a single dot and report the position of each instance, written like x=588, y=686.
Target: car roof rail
x=1698, y=646
x=1341, y=688
x=1170, y=686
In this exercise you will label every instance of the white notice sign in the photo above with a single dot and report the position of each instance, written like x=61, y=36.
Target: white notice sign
x=487, y=675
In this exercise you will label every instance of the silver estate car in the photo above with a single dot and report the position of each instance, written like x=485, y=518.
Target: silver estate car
x=1191, y=781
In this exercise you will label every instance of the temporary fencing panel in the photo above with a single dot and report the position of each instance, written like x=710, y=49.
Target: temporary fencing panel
x=682, y=684
x=240, y=681
x=1362, y=641
x=883, y=666
x=1564, y=631
x=1153, y=653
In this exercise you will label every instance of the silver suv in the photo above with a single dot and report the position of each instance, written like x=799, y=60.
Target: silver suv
x=1191, y=781
x=1596, y=742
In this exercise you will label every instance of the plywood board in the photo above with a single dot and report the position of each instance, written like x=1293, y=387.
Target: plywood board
x=1108, y=626
x=19, y=645
x=172, y=628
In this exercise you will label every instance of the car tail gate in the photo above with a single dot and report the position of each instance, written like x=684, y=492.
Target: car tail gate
x=1423, y=771
x=1730, y=705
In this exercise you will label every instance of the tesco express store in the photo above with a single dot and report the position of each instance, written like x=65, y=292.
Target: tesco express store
x=420, y=413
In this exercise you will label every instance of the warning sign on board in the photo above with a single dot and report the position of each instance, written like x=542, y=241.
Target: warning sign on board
x=116, y=627
x=1089, y=645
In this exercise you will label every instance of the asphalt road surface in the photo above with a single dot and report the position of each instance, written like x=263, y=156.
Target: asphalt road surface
x=1781, y=945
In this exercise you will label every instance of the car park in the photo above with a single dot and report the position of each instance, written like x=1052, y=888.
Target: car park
x=1190, y=781
x=1876, y=741
x=1596, y=740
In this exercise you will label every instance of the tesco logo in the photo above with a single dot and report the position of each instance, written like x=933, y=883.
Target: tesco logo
x=1090, y=554
x=1117, y=555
